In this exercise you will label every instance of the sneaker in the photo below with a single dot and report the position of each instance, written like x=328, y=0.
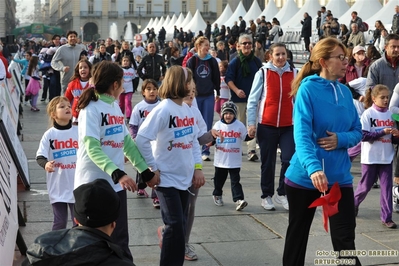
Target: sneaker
x=252, y=156
x=218, y=200
x=189, y=253
x=389, y=224
x=267, y=204
x=282, y=200
x=376, y=185
x=241, y=204
x=34, y=109
x=142, y=193
x=160, y=231
x=42, y=100
x=155, y=203
x=205, y=158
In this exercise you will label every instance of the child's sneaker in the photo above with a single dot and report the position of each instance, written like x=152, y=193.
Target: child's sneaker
x=241, y=204
x=218, y=200
x=142, y=193
x=189, y=253
x=155, y=203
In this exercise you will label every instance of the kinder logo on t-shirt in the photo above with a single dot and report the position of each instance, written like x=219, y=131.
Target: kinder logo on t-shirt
x=175, y=121
x=107, y=119
x=63, y=144
x=230, y=134
x=381, y=123
x=143, y=113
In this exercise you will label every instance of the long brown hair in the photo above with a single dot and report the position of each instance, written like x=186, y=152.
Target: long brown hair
x=373, y=92
x=104, y=75
x=32, y=64
x=76, y=70
x=322, y=49
x=174, y=85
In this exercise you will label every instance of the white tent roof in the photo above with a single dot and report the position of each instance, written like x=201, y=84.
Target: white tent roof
x=270, y=10
x=186, y=21
x=337, y=7
x=178, y=22
x=310, y=6
x=159, y=25
x=148, y=26
x=240, y=11
x=226, y=14
x=171, y=23
x=385, y=14
x=253, y=12
x=196, y=24
x=287, y=12
x=155, y=23
x=365, y=9
x=166, y=23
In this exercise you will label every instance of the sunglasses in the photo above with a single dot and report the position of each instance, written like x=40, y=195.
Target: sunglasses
x=246, y=43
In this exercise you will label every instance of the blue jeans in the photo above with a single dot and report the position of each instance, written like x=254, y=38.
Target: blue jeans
x=268, y=138
x=174, y=204
x=206, y=106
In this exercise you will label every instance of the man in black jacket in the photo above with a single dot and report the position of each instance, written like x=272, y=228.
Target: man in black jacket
x=96, y=210
x=243, y=25
x=306, y=32
x=152, y=64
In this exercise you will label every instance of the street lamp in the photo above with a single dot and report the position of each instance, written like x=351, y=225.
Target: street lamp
x=139, y=26
x=81, y=33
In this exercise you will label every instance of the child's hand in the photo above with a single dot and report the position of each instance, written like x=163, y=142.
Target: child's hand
x=198, y=178
x=396, y=180
x=128, y=183
x=49, y=167
x=395, y=132
x=387, y=130
x=216, y=134
x=155, y=180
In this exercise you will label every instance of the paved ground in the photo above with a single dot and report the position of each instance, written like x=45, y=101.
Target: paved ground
x=221, y=235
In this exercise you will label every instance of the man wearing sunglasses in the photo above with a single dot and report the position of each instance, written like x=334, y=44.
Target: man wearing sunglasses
x=239, y=76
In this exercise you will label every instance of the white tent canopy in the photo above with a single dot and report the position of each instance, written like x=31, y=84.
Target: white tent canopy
x=159, y=25
x=270, y=10
x=178, y=22
x=226, y=14
x=310, y=6
x=166, y=23
x=337, y=7
x=186, y=21
x=148, y=26
x=364, y=8
x=171, y=23
x=287, y=12
x=385, y=14
x=196, y=24
x=253, y=12
x=240, y=11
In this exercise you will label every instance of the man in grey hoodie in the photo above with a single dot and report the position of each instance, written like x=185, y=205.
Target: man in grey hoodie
x=66, y=58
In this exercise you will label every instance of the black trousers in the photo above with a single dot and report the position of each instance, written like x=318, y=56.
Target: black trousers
x=220, y=179
x=342, y=224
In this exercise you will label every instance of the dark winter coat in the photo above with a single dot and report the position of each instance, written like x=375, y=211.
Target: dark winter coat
x=306, y=27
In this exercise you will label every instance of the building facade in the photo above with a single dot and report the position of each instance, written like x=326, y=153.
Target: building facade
x=92, y=19
x=7, y=17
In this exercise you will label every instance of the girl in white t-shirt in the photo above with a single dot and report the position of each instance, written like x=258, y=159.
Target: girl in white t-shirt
x=125, y=99
x=224, y=88
x=57, y=155
x=176, y=153
x=377, y=151
x=149, y=90
x=104, y=142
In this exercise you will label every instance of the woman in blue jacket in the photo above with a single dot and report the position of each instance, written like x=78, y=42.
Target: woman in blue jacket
x=326, y=124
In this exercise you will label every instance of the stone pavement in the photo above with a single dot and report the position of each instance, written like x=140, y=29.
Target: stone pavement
x=221, y=235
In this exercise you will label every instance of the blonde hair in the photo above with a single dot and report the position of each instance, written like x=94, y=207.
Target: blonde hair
x=174, y=85
x=200, y=41
x=322, y=49
x=373, y=92
x=52, y=107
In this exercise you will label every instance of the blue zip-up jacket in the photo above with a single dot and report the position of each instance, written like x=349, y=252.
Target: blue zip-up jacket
x=322, y=105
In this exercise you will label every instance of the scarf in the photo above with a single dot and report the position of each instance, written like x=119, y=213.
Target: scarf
x=246, y=71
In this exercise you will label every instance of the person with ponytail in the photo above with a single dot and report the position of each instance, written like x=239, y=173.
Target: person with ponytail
x=104, y=141
x=326, y=124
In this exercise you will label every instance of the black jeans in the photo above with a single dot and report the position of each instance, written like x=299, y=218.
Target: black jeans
x=220, y=178
x=46, y=84
x=342, y=224
x=55, y=85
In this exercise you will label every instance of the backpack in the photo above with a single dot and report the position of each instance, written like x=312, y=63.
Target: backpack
x=280, y=32
x=364, y=27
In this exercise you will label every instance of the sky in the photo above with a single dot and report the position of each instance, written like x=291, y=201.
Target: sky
x=25, y=11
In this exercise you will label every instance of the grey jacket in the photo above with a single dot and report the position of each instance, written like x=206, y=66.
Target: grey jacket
x=66, y=55
x=382, y=72
x=395, y=24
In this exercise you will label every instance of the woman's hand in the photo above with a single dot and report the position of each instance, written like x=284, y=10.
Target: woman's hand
x=328, y=143
x=252, y=131
x=198, y=178
x=319, y=181
x=215, y=134
x=396, y=180
x=127, y=183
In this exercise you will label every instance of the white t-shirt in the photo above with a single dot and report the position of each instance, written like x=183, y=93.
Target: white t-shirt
x=228, y=153
x=104, y=122
x=224, y=89
x=60, y=146
x=138, y=51
x=199, y=120
x=128, y=76
x=141, y=111
x=381, y=151
x=176, y=149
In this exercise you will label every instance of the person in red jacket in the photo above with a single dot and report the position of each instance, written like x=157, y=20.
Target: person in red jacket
x=358, y=65
x=79, y=82
x=5, y=62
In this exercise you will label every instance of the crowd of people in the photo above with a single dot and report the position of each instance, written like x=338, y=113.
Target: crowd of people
x=249, y=79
